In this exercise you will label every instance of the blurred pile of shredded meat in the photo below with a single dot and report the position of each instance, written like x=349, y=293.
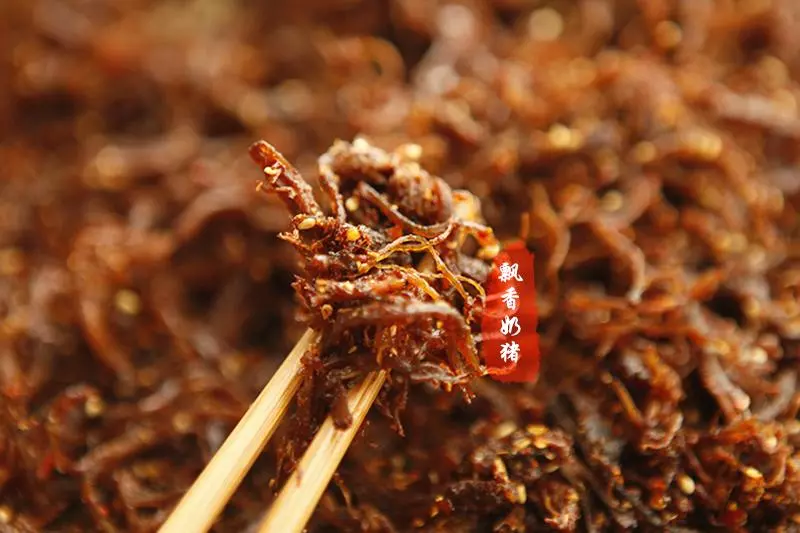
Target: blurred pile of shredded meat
x=145, y=297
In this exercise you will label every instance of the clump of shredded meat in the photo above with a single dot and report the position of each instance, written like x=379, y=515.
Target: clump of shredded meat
x=393, y=267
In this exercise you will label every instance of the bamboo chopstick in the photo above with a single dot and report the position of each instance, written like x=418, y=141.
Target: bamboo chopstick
x=293, y=507
x=201, y=505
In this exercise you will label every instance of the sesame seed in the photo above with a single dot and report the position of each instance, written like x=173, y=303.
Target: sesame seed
x=521, y=493
x=348, y=287
x=272, y=171
x=500, y=467
x=611, y=201
x=561, y=137
x=307, y=223
x=686, y=484
x=741, y=401
x=353, y=234
x=703, y=144
x=182, y=422
x=352, y=203
x=410, y=151
x=536, y=430
x=94, y=406
x=644, y=152
x=505, y=429
x=719, y=347
x=545, y=24
x=758, y=355
x=752, y=473
x=520, y=444
x=128, y=302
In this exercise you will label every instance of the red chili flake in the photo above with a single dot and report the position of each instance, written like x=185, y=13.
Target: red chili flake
x=510, y=342
x=45, y=467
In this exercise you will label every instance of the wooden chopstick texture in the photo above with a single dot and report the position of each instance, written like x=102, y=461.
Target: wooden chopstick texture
x=293, y=507
x=206, y=498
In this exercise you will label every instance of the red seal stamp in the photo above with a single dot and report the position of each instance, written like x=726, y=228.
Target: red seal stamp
x=510, y=344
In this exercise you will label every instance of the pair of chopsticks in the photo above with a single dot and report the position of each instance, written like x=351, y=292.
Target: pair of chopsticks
x=291, y=510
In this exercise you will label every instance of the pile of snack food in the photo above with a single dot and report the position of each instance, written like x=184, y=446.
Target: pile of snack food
x=145, y=296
